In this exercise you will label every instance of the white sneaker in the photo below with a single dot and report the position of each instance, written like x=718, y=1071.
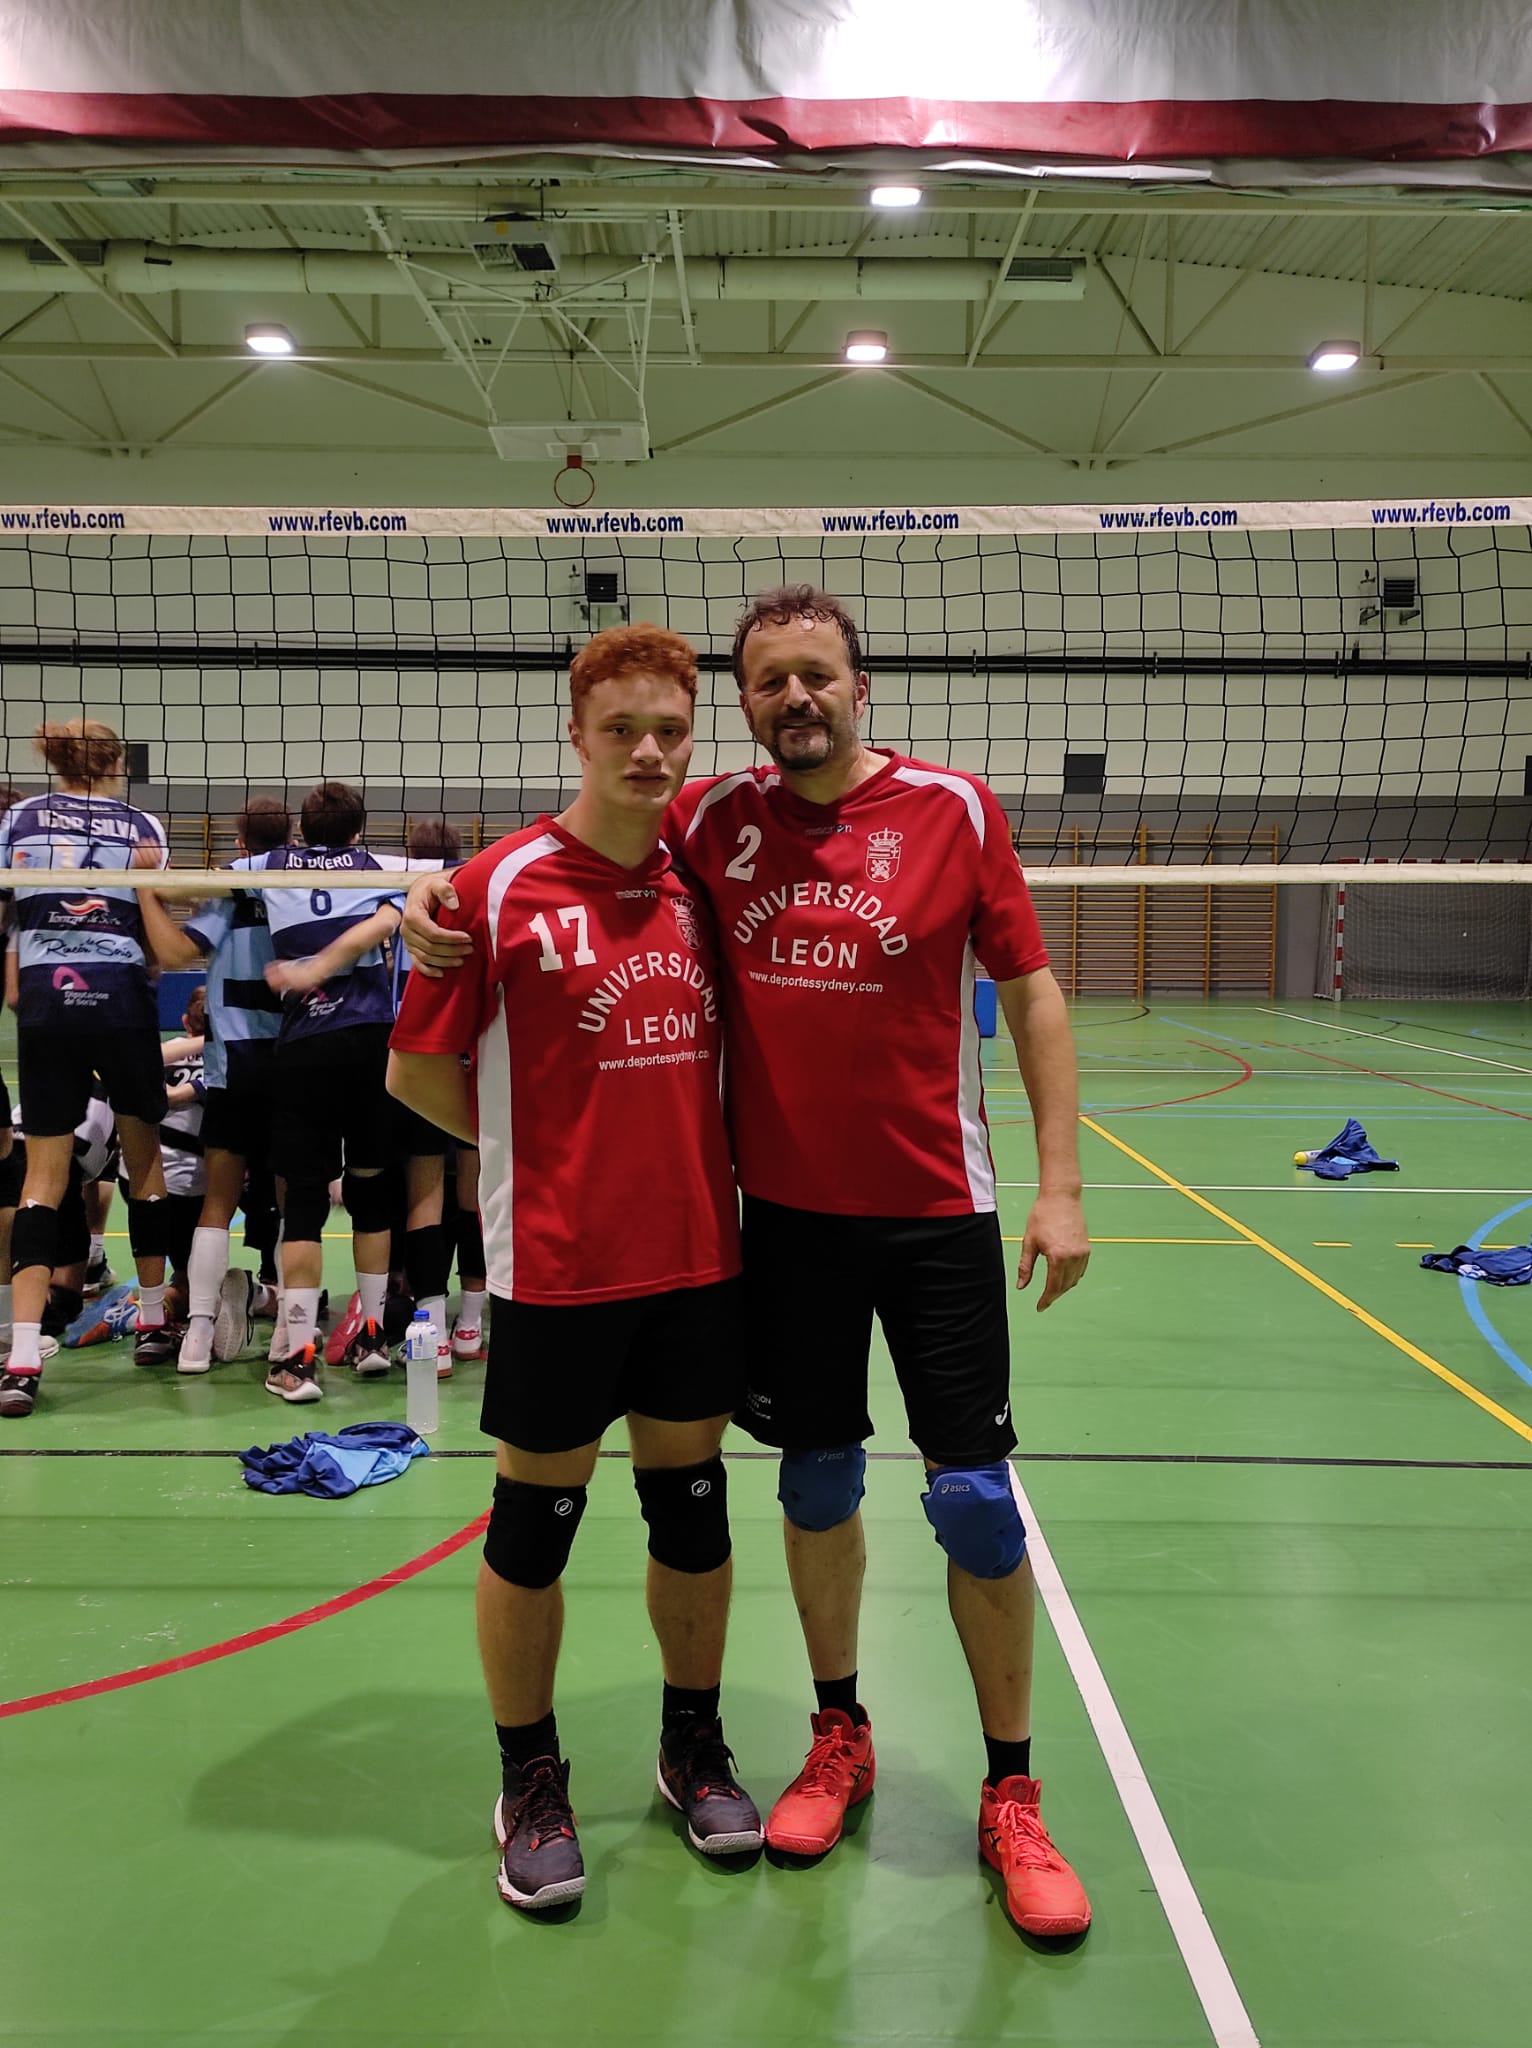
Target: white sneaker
x=196, y=1353
x=467, y=1341
x=444, y=1361
x=231, y=1324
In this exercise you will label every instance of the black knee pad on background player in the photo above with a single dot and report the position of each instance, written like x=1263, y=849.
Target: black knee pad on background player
x=369, y=1201
x=687, y=1510
x=307, y=1212
x=11, y=1177
x=34, y=1237
x=73, y=1244
x=470, y=1244
x=427, y=1261
x=531, y=1532
x=148, y=1227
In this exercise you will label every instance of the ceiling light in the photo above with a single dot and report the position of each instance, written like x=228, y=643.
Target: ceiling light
x=867, y=345
x=267, y=339
x=1335, y=355
x=895, y=195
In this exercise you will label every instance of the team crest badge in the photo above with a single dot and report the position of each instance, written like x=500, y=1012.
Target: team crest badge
x=686, y=922
x=883, y=855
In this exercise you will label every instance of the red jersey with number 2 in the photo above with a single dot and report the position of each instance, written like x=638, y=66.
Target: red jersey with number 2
x=850, y=933
x=590, y=1005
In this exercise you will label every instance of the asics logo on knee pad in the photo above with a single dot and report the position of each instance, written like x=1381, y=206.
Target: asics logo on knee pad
x=564, y=1506
x=700, y=1487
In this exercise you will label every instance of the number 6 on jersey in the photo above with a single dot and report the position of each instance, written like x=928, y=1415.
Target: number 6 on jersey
x=573, y=915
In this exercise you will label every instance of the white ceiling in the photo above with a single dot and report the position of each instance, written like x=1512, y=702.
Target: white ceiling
x=1180, y=370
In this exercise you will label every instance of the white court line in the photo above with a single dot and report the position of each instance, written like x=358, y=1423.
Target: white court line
x=1388, y=1038
x=1215, y=1987
x=1242, y=1187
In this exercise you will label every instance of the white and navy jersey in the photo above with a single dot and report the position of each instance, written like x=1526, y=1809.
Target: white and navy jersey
x=80, y=951
x=244, y=1015
x=304, y=921
x=95, y=1138
x=181, y=1129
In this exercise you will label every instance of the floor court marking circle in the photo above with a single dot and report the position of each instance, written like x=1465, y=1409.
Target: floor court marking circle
x=1478, y=1315
x=212, y=1653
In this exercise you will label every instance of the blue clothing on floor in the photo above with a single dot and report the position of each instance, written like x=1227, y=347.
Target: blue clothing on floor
x=1347, y=1154
x=1510, y=1268
x=330, y=1467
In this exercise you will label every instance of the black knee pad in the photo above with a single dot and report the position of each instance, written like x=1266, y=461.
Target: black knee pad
x=427, y=1261
x=531, y=1532
x=148, y=1227
x=307, y=1212
x=368, y=1201
x=470, y=1244
x=687, y=1509
x=73, y=1245
x=11, y=1173
x=34, y=1237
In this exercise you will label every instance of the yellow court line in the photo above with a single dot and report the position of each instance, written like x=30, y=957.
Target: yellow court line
x=1332, y=1244
x=1432, y=1365
x=1147, y=1240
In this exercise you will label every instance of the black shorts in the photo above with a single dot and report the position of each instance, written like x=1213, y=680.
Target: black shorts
x=331, y=1105
x=413, y=1136
x=57, y=1072
x=238, y=1118
x=558, y=1378
x=938, y=1286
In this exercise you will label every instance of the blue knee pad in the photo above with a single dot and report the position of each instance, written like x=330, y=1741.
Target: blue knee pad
x=821, y=1489
x=976, y=1519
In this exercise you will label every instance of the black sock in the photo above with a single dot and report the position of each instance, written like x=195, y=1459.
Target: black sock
x=1007, y=1759
x=840, y=1692
x=683, y=1708
x=518, y=1746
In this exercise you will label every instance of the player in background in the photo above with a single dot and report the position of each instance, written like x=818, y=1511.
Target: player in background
x=243, y=1016
x=331, y=1104
x=86, y=1012
x=589, y=1012
x=855, y=892
x=181, y=1157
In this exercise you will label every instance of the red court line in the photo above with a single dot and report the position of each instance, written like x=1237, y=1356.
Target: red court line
x=1172, y=1102
x=253, y=1638
x=1378, y=1074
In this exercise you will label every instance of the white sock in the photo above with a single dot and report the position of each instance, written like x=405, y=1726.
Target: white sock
x=373, y=1288
x=301, y=1312
x=151, y=1306
x=97, y=1248
x=198, y=1341
x=470, y=1310
x=26, y=1348
x=206, y=1267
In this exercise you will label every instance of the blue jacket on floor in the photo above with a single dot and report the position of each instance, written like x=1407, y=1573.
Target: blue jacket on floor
x=330, y=1467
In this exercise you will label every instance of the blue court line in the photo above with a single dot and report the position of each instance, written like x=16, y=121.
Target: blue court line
x=1469, y=1291
x=1223, y=1037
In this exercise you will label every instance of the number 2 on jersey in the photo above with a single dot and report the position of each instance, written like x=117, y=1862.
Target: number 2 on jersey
x=572, y=916
x=742, y=867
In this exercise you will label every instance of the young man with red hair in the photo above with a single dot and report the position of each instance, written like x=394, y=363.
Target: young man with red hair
x=579, y=1048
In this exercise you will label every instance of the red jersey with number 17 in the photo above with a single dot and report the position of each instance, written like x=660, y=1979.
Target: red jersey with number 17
x=850, y=933
x=590, y=1006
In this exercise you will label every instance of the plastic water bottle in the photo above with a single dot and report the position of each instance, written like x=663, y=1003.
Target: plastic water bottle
x=422, y=1406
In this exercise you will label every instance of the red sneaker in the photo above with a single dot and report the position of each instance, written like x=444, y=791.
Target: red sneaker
x=1042, y=1893
x=341, y=1338
x=839, y=1772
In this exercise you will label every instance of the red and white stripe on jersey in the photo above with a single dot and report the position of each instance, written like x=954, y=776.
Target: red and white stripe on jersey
x=590, y=1008
x=850, y=935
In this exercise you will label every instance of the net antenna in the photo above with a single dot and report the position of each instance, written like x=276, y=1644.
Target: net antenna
x=1199, y=719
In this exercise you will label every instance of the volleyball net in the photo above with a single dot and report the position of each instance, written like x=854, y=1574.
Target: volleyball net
x=1311, y=698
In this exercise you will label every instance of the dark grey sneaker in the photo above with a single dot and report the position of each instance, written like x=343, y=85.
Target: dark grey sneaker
x=698, y=1779
x=18, y=1393
x=540, y=1861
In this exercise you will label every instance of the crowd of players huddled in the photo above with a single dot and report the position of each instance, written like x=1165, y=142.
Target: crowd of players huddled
x=269, y=1110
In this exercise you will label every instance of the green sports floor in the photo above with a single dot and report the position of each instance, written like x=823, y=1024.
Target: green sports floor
x=1283, y=1479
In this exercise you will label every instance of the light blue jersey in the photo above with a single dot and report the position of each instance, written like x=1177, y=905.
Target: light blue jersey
x=304, y=921
x=244, y=1015
x=80, y=952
